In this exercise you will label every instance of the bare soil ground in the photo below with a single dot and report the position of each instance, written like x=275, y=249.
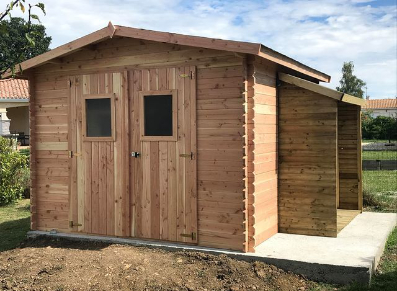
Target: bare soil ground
x=60, y=265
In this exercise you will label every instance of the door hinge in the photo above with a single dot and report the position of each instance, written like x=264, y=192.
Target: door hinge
x=190, y=75
x=192, y=235
x=187, y=156
x=72, y=224
x=73, y=154
x=70, y=83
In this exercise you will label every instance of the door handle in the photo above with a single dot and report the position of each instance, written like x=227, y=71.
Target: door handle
x=135, y=154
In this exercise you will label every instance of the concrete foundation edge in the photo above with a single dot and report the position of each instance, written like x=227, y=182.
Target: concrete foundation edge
x=313, y=271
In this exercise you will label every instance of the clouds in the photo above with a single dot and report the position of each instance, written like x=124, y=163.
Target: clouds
x=322, y=34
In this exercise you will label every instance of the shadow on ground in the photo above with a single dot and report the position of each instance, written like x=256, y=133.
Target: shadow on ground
x=13, y=232
x=44, y=242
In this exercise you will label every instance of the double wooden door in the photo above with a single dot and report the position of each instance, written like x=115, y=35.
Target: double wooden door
x=139, y=179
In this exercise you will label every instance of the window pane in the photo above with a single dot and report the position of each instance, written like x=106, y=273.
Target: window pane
x=98, y=114
x=158, y=115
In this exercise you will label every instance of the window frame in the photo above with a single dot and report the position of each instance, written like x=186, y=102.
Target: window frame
x=112, y=117
x=174, y=136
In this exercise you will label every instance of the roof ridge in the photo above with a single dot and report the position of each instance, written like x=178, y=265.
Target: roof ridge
x=111, y=30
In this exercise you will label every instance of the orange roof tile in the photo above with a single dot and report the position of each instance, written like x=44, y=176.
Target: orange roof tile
x=14, y=89
x=380, y=104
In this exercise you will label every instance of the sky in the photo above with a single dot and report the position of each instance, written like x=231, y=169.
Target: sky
x=322, y=33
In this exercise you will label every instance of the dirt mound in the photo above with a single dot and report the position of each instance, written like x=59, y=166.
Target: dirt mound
x=45, y=264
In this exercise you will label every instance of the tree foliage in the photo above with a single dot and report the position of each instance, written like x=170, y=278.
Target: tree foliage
x=14, y=46
x=14, y=171
x=381, y=127
x=28, y=32
x=349, y=83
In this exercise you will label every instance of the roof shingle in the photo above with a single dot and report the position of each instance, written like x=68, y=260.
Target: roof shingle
x=380, y=104
x=14, y=89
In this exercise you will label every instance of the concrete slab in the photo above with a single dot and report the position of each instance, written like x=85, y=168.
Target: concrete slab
x=352, y=256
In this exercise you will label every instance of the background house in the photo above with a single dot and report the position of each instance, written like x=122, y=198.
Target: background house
x=381, y=107
x=14, y=107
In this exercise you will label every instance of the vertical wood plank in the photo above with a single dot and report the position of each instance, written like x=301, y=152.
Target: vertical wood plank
x=84, y=84
x=73, y=203
x=126, y=228
x=172, y=192
x=80, y=160
x=135, y=85
x=359, y=160
x=110, y=183
x=192, y=175
x=154, y=190
x=110, y=223
x=146, y=186
x=188, y=163
x=163, y=181
x=180, y=149
x=95, y=188
x=102, y=180
x=87, y=187
x=118, y=156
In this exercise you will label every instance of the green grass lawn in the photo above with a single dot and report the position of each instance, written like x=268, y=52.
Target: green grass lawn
x=380, y=190
x=14, y=223
x=379, y=155
x=380, y=181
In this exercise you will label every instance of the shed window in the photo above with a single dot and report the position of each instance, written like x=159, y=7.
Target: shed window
x=98, y=117
x=158, y=115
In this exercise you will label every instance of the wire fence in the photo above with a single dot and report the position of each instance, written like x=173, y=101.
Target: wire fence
x=380, y=173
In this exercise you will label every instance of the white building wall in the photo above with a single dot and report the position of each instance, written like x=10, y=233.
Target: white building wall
x=4, y=122
x=390, y=112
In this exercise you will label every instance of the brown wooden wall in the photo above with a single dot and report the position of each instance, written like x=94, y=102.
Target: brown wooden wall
x=261, y=159
x=349, y=145
x=307, y=162
x=220, y=113
x=49, y=152
x=220, y=118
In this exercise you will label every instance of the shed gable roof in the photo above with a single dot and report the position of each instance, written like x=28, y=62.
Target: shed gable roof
x=211, y=43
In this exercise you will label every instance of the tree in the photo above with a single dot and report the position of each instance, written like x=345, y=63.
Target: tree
x=29, y=32
x=349, y=83
x=381, y=127
x=15, y=48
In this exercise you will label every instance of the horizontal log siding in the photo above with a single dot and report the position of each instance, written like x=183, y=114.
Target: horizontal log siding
x=307, y=162
x=220, y=110
x=261, y=129
x=349, y=144
x=49, y=153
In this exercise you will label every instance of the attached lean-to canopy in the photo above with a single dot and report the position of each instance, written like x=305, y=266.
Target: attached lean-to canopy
x=321, y=89
x=210, y=43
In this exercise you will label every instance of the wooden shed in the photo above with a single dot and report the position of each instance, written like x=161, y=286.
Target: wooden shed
x=154, y=135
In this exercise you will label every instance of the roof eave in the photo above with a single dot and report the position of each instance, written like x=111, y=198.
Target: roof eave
x=70, y=47
x=328, y=92
x=288, y=62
